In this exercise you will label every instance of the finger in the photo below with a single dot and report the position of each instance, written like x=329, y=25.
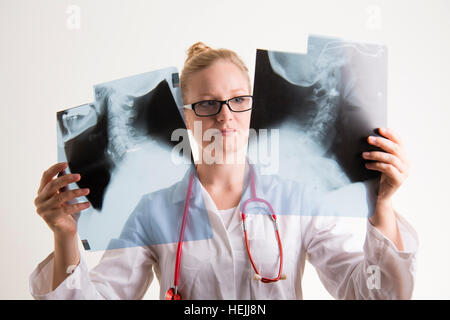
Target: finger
x=386, y=158
x=386, y=144
x=385, y=168
x=48, y=174
x=69, y=209
x=391, y=135
x=56, y=184
x=60, y=174
x=62, y=198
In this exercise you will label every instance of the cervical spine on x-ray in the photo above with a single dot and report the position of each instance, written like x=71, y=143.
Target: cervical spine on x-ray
x=122, y=123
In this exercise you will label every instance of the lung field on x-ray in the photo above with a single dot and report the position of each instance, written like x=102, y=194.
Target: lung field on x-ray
x=95, y=151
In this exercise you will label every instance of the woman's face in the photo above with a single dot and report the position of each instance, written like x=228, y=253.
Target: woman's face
x=220, y=81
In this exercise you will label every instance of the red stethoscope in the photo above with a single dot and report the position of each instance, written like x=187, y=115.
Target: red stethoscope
x=173, y=293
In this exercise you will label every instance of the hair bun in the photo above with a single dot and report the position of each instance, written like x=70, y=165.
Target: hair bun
x=196, y=49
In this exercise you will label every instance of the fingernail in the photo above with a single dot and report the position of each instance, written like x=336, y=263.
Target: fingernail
x=365, y=154
x=371, y=139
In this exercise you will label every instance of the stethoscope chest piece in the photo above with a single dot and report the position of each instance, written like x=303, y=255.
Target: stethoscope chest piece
x=172, y=294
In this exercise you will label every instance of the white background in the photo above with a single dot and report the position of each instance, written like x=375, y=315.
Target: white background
x=51, y=57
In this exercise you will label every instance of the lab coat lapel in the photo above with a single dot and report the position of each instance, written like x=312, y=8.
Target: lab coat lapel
x=198, y=226
x=180, y=191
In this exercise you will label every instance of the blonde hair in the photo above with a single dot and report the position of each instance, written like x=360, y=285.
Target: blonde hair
x=200, y=56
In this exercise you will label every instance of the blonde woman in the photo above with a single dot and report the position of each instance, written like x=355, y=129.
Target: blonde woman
x=231, y=264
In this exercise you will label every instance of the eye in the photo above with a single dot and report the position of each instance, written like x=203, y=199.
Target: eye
x=237, y=100
x=207, y=103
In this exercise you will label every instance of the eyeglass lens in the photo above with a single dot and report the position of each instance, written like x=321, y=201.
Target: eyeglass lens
x=211, y=107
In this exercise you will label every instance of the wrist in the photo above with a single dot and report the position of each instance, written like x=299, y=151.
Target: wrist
x=66, y=250
x=384, y=212
x=64, y=237
x=384, y=204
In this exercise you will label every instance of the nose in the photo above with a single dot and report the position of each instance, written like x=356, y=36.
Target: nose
x=225, y=114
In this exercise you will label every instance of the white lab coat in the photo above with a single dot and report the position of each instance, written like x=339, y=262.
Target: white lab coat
x=347, y=252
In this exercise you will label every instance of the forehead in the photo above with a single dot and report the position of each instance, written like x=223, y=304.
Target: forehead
x=221, y=80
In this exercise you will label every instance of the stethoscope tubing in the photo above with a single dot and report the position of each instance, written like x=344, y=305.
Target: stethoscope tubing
x=172, y=293
x=181, y=238
x=247, y=245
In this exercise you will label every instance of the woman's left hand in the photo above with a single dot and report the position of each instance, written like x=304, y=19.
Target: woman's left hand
x=392, y=163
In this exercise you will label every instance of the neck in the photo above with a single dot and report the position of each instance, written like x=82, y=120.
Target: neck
x=223, y=182
x=221, y=176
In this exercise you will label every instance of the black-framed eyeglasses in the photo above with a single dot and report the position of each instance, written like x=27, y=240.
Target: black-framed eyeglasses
x=207, y=108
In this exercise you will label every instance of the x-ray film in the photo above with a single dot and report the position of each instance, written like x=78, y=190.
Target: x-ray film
x=122, y=144
x=310, y=119
x=312, y=114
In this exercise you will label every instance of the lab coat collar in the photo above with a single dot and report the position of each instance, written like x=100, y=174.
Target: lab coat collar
x=181, y=187
x=262, y=186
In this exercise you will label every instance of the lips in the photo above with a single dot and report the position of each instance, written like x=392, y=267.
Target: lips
x=227, y=131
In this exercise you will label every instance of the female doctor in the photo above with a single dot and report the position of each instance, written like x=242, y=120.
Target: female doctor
x=231, y=264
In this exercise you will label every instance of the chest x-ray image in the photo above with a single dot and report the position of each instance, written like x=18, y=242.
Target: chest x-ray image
x=122, y=146
x=321, y=106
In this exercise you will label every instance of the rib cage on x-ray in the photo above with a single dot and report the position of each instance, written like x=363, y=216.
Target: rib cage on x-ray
x=325, y=103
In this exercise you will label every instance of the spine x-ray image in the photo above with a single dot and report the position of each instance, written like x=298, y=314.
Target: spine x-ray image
x=323, y=105
x=121, y=146
x=316, y=109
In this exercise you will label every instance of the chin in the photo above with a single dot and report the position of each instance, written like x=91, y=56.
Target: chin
x=233, y=150
x=236, y=152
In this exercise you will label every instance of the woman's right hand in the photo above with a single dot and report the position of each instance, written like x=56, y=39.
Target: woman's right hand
x=51, y=201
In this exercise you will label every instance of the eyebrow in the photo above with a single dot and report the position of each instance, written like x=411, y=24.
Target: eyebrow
x=234, y=93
